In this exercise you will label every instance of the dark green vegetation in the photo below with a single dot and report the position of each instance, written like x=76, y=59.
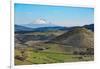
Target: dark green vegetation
x=54, y=47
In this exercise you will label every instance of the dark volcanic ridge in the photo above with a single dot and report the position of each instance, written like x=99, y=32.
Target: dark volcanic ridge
x=25, y=29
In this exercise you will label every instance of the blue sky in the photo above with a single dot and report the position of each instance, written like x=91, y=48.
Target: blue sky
x=58, y=15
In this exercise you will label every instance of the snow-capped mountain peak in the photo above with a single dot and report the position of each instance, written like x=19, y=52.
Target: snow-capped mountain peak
x=40, y=21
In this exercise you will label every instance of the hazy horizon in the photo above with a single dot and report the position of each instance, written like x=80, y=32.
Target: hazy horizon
x=57, y=15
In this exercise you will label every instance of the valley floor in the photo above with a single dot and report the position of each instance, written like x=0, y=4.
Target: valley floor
x=34, y=48
x=52, y=54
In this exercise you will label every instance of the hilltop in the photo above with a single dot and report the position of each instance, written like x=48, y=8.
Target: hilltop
x=78, y=37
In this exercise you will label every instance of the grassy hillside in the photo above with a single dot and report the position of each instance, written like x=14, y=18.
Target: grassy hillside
x=79, y=37
x=54, y=54
x=59, y=47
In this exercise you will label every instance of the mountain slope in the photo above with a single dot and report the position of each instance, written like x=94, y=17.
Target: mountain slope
x=78, y=37
x=39, y=22
x=91, y=27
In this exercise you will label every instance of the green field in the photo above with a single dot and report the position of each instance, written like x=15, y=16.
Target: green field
x=54, y=54
x=32, y=51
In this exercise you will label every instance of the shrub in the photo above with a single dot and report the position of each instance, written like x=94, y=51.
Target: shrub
x=75, y=53
x=20, y=58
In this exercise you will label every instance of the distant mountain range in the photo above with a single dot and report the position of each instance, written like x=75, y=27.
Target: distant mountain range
x=31, y=25
x=56, y=28
x=19, y=28
x=47, y=27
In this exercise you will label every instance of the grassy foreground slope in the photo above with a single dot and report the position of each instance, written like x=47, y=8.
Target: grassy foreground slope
x=54, y=54
x=57, y=47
